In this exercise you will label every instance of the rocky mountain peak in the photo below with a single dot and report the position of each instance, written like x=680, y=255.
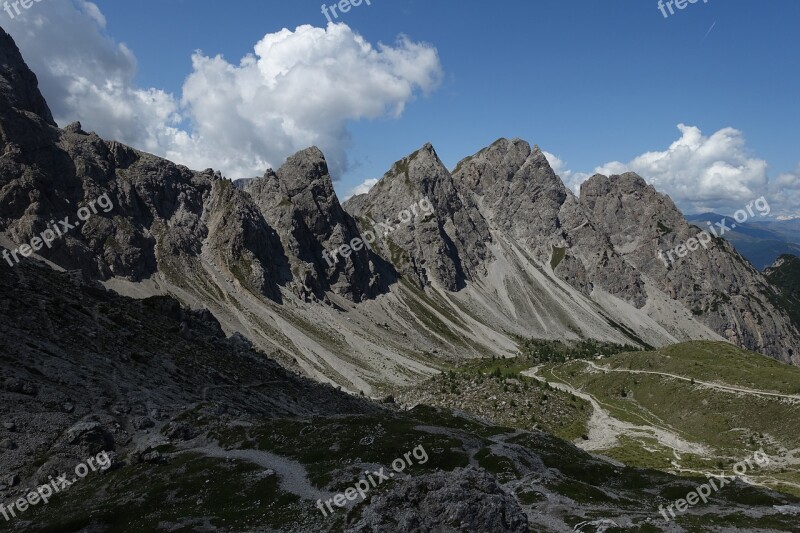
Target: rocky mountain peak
x=74, y=127
x=633, y=181
x=498, y=162
x=306, y=170
x=514, y=186
x=421, y=170
x=628, y=183
x=300, y=203
x=713, y=280
x=445, y=242
x=19, y=87
x=501, y=225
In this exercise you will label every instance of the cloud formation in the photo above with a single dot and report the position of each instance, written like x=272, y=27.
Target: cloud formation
x=298, y=88
x=571, y=179
x=363, y=188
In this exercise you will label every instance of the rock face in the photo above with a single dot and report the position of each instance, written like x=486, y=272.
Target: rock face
x=605, y=242
x=167, y=219
x=444, y=242
x=19, y=88
x=300, y=202
x=525, y=200
x=722, y=289
x=464, y=500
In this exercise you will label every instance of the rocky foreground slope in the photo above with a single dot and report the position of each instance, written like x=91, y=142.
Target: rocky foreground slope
x=205, y=433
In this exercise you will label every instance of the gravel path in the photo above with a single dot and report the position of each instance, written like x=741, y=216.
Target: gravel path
x=293, y=476
x=605, y=430
x=717, y=386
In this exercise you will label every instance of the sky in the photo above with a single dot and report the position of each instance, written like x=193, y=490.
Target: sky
x=702, y=102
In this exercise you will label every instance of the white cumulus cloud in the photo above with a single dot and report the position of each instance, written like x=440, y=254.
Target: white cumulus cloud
x=296, y=89
x=570, y=178
x=703, y=172
x=363, y=188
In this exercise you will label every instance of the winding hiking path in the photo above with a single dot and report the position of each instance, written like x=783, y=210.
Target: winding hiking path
x=605, y=430
x=726, y=388
x=292, y=475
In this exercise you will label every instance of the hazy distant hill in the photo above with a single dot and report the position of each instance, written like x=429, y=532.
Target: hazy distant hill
x=760, y=241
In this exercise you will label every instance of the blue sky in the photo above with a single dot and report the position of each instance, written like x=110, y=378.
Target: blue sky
x=596, y=84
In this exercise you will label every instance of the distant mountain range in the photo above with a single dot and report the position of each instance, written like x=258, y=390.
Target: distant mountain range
x=760, y=241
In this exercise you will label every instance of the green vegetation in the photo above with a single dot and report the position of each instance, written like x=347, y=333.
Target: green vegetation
x=542, y=351
x=494, y=388
x=680, y=390
x=238, y=495
x=495, y=391
x=715, y=362
x=233, y=493
x=786, y=280
x=558, y=255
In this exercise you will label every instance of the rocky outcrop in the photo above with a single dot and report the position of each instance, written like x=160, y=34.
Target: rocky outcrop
x=164, y=218
x=423, y=224
x=466, y=499
x=19, y=88
x=300, y=202
x=496, y=249
x=522, y=197
x=243, y=243
x=721, y=288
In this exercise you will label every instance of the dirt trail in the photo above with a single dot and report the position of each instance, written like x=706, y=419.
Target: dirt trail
x=717, y=386
x=605, y=430
x=293, y=476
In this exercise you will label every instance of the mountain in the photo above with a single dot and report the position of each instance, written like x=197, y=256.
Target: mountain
x=760, y=241
x=785, y=275
x=223, y=345
x=714, y=281
x=541, y=236
x=505, y=251
x=786, y=227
